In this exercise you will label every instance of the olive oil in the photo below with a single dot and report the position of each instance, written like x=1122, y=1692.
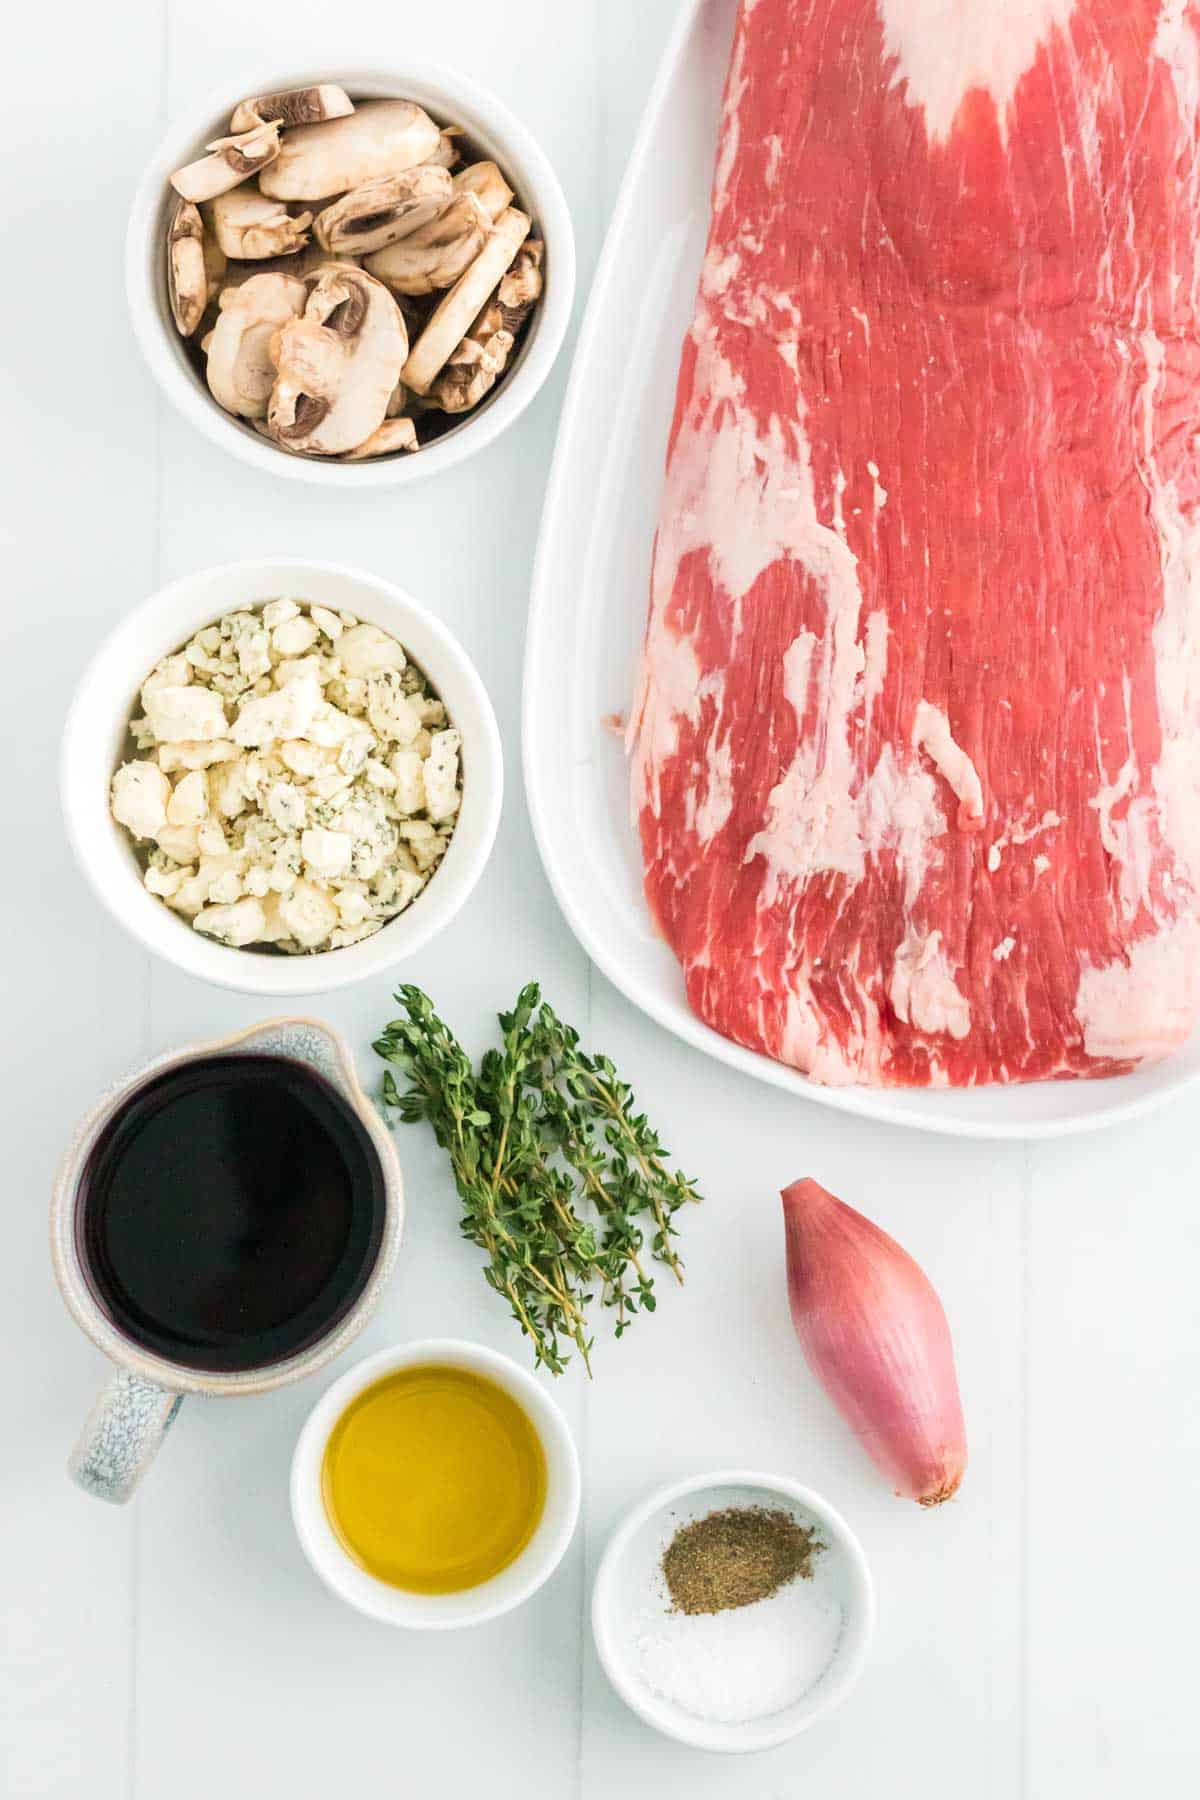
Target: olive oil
x=434, y=1479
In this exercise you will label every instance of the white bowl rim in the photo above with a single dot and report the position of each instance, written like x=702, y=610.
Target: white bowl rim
x=776, y=1728
x=510, y=398
x=323, y=971
x=387, y=1603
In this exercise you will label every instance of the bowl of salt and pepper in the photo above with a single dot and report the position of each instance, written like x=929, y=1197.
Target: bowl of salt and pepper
x=732, y=1610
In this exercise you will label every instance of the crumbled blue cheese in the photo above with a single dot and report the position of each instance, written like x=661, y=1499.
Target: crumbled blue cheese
x=294, y=637
x=326, y=853
x=184, y=755
x=365, y=650
x=140, y=796
x=189, y=802
x=190, y=712
x=295, y=781
x=326, y=621
x=239, y=924
x=441, y=775
x=278, y=612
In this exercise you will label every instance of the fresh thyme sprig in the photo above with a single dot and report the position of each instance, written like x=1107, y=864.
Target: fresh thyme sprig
x=564, y=1185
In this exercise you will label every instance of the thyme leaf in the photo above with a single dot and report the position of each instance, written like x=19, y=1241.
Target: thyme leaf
x=564, y=1185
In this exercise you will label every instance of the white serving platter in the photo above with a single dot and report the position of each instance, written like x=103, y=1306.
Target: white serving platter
x=588, y=610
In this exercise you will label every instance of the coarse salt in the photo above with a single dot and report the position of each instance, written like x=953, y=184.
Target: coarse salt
x=746, y=1662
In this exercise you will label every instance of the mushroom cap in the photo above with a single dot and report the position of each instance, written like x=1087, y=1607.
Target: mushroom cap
x=241, y=371
x=447, y=153
x=385, y=210
x=295, y=106
x=229, y=162
x=338, y=364
x=380, y=137
x=187, y=276
x=457, y=310
x=485, y=181
x=249, y=227
x=435, y=256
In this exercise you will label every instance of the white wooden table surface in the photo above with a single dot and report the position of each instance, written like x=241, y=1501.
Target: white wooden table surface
x=1037, y=1638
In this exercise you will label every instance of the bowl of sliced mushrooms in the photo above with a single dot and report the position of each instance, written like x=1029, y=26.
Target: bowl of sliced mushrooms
x=352, y=279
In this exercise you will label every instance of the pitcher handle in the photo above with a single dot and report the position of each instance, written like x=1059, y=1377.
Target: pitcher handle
x=122, y=1435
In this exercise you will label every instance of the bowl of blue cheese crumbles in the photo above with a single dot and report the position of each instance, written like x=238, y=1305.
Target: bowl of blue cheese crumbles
x=292, y=778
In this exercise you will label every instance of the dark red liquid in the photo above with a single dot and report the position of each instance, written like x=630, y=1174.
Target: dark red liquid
x=231, y=1212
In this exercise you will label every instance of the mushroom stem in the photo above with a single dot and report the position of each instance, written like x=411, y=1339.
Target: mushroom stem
x=338, y=365
x=249, y=227
x=392, y=435
x=230, y=161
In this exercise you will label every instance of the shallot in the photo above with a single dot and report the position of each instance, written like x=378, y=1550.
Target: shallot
x=875, y=1335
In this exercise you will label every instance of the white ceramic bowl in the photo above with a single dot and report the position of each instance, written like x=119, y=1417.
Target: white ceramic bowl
x=451, y=99
x=629, y=1578
x=437, y=1612
x=94, y=742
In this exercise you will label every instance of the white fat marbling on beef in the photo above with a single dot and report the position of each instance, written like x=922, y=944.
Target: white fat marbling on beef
x=945, y=49
x=916, y=747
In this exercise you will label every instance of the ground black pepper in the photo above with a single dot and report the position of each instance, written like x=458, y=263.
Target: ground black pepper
x=735, y=1557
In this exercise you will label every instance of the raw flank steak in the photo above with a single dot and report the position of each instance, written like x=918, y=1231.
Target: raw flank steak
x=916, y=747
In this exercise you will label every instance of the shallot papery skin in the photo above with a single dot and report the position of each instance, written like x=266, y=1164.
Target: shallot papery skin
x=875, y=1336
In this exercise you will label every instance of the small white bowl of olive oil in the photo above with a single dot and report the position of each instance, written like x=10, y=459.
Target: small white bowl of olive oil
x=435, y=1485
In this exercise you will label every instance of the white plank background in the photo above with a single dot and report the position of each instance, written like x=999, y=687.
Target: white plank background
x=1037, y=1638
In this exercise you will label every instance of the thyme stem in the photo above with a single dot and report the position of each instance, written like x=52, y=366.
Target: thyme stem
x=563, y=1184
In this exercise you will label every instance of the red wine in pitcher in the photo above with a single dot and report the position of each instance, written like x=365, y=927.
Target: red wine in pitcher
x=232, y=1212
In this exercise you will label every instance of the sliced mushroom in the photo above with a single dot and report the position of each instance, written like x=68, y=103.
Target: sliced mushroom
x=215, y=264
x=459, y=308
x=392, y=435
x=381, y=137
x=483, y=354
x=298, y=106
x=516, y=296
x=241, y=369
x=521, y=289
x=264, y=431
x=300, y=263
x=230, y=161
x=438, y=254
x=384, y=210
x=338, y=365
x=187, y=276
x=249, y=227
x=447, y=153
x=484, y=180
x=471, y=371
